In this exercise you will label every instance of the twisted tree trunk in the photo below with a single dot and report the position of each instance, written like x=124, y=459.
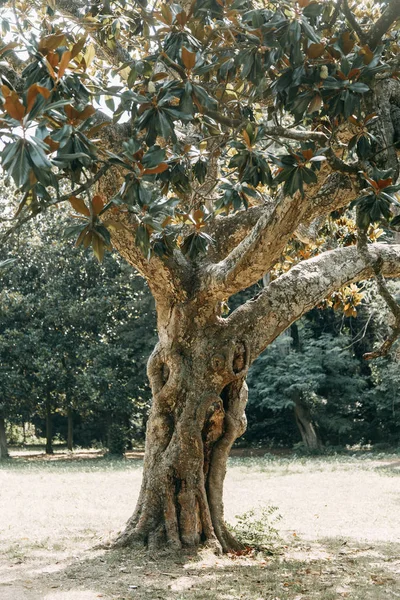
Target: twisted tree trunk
x=197, y=372
x=199, y=396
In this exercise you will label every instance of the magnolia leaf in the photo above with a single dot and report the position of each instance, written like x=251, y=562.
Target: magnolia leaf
x=315, y=104
x=79, y=205
x=81, y=236
x=315, y=50
x=66, y=57
x=32, y=94
x=87, y=112
x=78, y=47
x=246, y=138
x=98, y=246
x=188, y=58
x=8, y=47
x=51, y=42
x=97, y=204
x=159, y=169
x=89, y=55
x=14, y=107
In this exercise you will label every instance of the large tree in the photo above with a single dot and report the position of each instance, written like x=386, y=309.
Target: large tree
x=198, y=138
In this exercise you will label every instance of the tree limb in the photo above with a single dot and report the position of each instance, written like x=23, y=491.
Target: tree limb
x=353, y=21
x=335, y=14
x=276, y=131
x=262, y=246
x=168, y=279
x=389, y=16
x=294, y=293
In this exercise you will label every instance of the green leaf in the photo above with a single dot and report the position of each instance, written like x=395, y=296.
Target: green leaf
x=153, y=157
x=309, y=31
x=395, y=222
x=200, y=170
x=360, y=88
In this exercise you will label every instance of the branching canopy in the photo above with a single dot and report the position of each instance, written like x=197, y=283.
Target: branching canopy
x=200, y=137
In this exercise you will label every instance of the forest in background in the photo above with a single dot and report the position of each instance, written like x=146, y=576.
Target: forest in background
x=75, y=336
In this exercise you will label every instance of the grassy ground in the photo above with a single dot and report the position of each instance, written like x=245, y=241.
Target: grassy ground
x=340, y=532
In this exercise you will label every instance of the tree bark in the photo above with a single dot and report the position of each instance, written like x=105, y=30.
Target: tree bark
x=49, y=429
x=199, y=396
x=3, y=440
x=309, y=434
x=70, y=432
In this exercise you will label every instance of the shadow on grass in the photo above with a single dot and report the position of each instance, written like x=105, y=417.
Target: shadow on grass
x=329, y=569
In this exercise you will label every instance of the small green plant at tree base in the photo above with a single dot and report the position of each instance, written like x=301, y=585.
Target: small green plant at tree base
x=256, y=528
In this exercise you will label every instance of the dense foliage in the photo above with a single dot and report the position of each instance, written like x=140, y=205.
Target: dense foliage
x=320, y=364
x=74, y=340
x=229, y=69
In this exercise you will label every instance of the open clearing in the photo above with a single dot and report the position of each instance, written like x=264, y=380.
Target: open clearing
x=340, y=532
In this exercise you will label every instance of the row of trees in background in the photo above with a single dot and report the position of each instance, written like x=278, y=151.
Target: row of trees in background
x=75, y=337
x=74, y=340
x=314, y=381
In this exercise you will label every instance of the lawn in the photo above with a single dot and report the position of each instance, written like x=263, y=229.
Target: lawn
x=340, y=532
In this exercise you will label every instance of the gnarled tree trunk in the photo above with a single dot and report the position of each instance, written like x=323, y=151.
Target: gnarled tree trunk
x=199, y=396
x=3, y=439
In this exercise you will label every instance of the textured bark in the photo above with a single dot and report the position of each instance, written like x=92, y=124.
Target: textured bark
x=389, y=16
x=386, y=102
x=3, y=439
x=294, y=293
x=197, y=373
x=261, y=246
x=199, y=395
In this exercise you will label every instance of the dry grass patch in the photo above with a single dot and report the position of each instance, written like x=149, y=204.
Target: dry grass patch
x=340, y=531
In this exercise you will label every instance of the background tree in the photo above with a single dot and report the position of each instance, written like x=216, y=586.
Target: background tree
x=74, y=339
x=320, y=382
x=187, y=190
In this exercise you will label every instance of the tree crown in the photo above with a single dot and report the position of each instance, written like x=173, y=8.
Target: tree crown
x=201, y=108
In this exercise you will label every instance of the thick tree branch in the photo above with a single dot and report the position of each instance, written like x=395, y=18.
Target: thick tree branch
x=389, y=16
x=168, y=279
x=287, y=298
x=276, y=131
x=335, y=13
x=260, y=249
